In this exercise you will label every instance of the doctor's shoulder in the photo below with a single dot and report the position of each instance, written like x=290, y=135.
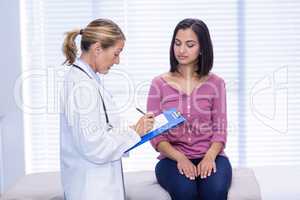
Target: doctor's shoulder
x=75, y=80
x=76, y=76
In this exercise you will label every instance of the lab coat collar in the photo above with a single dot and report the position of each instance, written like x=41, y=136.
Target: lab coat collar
x=87, y=68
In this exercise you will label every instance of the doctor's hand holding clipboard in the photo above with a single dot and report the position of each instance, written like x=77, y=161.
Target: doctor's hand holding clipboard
x=91, y=141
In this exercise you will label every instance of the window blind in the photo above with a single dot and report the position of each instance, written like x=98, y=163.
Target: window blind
x=267, y=48
x=43, y=26
x=272, y=54
x=149, y=27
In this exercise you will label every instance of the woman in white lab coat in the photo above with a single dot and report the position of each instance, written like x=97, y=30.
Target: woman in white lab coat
x=92, y=142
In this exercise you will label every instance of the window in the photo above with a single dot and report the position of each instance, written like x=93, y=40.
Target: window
x=251, y=39
x=271, y=65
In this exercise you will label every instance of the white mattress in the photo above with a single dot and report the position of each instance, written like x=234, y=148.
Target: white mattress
x=139, y=186
x=278, y=182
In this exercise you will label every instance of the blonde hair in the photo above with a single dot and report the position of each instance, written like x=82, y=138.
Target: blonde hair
x=104, y=31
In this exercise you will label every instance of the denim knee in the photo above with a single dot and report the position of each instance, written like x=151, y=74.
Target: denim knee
x=184, y=192
x=215, y=193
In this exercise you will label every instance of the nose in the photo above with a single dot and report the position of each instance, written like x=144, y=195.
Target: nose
x=182, y=49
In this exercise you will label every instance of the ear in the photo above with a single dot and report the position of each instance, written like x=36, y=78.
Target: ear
x=97, y=48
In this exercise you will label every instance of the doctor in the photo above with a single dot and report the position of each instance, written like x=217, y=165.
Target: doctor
x=92, y=142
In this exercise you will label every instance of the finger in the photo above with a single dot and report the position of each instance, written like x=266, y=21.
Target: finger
x=148, y=122
x=192, y=171
x=149, y=125
x=198, y=170
x=187, y=173
x=149, y=115
x=180, y=170
x=192, y=177
x=151, y=120
x=215, y=167
x=209, y=171
x=203, y=171
x=206, y=171
x=195, y=171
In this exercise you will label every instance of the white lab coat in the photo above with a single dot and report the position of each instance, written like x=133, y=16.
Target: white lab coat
x=91, y=167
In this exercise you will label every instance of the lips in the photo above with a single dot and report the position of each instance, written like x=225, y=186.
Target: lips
x=182, y=57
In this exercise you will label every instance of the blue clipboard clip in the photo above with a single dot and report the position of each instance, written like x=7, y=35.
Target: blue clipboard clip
x=174, y=118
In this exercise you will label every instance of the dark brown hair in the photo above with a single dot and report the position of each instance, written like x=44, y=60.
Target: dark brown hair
x=206, y=55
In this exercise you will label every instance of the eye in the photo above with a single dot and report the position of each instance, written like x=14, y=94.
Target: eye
x=177, y=43
x=190, y=45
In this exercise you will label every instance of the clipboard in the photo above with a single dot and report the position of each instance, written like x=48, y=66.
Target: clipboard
x=163, y=122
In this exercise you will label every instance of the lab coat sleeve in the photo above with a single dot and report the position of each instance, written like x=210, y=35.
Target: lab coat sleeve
x=85, y=116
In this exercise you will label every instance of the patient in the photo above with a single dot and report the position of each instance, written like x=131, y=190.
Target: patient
x=192, y=163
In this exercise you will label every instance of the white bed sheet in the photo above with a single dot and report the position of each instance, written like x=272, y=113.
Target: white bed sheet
x=139, y=186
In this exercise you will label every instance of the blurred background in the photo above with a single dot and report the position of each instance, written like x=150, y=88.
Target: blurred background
x=257, y=52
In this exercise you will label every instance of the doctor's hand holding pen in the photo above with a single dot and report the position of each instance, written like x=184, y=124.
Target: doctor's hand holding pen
x=144, y=124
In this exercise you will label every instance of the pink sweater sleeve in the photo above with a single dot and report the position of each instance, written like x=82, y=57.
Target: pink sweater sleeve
x=219, y=113
x=154, y=105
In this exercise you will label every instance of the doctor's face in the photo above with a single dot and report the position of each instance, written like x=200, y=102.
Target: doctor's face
x=108, y=57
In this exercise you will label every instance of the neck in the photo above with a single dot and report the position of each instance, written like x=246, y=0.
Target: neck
x=187, y=71
x=85, y=57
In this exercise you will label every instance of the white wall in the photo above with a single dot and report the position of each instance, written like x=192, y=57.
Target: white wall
x=12, y=122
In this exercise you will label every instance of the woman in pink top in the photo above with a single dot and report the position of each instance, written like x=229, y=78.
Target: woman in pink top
x=192, y=162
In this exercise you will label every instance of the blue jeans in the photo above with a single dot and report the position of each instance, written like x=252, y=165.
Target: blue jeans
x=214, y=187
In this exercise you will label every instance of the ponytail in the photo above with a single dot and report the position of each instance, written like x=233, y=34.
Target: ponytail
x=104, y=31
x=69, y=47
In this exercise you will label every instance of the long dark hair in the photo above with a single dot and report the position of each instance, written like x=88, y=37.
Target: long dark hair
x=206, y=56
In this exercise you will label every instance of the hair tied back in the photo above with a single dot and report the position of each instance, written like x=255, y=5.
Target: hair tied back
x=81, y=31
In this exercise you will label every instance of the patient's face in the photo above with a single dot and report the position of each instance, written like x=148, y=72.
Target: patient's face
x=186, y=47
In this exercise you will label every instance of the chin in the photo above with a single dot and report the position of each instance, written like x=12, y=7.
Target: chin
x=181, y=62
x=103, y=71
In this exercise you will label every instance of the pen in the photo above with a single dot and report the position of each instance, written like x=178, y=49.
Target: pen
x=141, y=111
